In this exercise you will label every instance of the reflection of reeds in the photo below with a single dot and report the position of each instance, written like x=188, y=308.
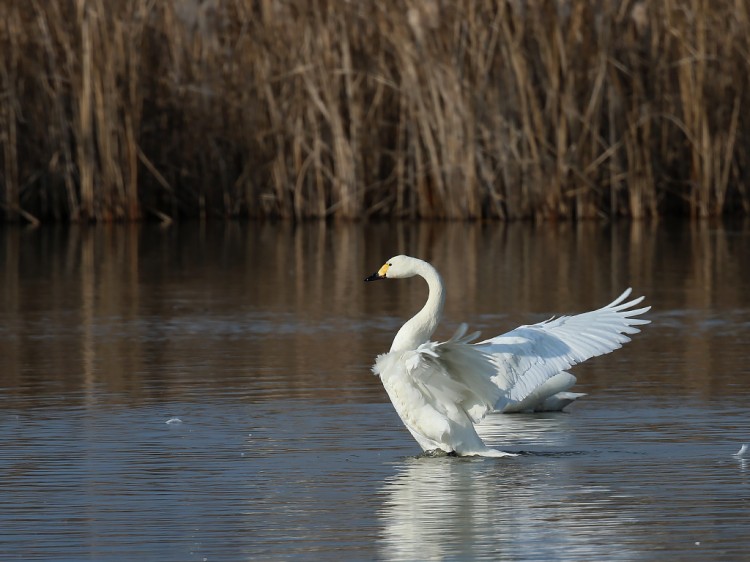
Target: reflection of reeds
x=129, y=108
x=125, y=310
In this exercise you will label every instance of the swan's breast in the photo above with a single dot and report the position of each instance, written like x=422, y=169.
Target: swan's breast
x=429, y=427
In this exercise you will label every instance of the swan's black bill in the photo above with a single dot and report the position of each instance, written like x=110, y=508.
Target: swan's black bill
x=375, y=277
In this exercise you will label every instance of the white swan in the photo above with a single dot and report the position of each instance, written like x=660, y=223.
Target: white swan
x=440, y=390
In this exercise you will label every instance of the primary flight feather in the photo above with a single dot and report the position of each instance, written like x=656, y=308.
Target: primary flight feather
x=440, y=390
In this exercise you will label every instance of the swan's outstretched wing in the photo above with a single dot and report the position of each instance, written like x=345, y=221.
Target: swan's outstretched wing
x=528, y=356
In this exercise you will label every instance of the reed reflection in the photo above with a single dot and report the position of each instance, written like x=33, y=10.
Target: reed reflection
x=267, y=310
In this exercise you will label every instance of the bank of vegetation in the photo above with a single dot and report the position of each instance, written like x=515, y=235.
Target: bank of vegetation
x=130, y=109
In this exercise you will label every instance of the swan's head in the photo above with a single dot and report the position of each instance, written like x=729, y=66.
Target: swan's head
x=396, y=268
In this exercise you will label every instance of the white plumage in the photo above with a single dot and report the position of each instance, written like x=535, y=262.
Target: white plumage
x=440, y=390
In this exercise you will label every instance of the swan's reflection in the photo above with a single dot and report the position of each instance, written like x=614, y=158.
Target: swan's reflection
x=430, y=507
x=472, y=508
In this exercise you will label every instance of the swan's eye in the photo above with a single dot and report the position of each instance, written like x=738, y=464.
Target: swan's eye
x=390, y=265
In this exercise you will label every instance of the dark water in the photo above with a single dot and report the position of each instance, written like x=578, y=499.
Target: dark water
x=203, y=393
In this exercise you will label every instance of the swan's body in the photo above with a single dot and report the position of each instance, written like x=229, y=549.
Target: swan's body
x=440, y=390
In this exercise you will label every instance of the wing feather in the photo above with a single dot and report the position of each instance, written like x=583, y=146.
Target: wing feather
x=450, y=375
x=528, y=356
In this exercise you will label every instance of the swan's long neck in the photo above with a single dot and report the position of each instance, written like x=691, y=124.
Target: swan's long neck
x=420, y=328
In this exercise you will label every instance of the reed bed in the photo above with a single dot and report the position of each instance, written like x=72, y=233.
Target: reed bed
x=128, y=109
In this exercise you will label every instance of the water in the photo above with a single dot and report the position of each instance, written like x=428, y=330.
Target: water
x=203, y=393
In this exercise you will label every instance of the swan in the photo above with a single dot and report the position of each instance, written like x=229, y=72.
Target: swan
x=441, y=389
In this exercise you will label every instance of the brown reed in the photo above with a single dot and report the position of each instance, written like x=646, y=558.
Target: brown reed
x=127, y=109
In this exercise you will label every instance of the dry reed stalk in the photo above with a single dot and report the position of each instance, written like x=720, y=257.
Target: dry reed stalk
x=311, y=108
x=10, y=19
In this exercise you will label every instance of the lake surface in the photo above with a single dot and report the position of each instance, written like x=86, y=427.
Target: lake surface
x=203, y=392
